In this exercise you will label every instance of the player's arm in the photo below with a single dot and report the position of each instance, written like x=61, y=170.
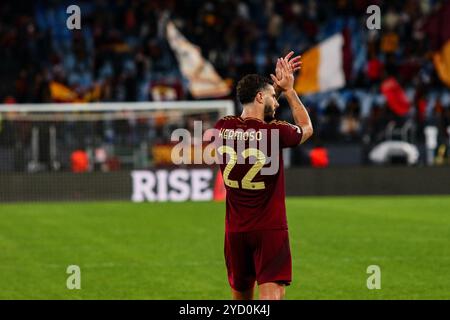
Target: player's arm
x=295, y=63
x=299, y=112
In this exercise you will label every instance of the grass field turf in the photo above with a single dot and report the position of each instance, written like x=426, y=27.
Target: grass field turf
x=175, y=250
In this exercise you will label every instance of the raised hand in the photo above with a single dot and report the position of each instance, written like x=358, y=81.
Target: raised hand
x=294, y=63
x=284, y=78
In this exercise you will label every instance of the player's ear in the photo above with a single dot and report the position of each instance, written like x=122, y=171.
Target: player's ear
x=259, y=97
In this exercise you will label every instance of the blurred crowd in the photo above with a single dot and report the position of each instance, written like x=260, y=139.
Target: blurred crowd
x=121, y=54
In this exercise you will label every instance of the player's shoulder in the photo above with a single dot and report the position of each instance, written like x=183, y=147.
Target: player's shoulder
x=226, y=119
x=281, y=123
x=276, y=122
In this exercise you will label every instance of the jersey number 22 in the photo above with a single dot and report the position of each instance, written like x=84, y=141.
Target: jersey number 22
x=246, y=181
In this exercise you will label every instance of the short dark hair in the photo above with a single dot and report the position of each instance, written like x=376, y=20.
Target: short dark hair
x=249, y=86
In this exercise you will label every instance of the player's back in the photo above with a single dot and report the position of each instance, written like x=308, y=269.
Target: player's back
x=252, y=169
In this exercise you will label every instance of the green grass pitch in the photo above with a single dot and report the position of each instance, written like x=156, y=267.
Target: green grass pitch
x=175, y=250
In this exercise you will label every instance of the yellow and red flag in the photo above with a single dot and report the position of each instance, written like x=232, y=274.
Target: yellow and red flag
x=204, y=81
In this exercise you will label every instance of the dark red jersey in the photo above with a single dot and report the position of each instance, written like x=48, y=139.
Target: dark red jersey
x=250, y=151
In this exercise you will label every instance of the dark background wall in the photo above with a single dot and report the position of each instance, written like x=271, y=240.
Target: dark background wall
x=368, y=181
x=299, y=181
x=65, y=186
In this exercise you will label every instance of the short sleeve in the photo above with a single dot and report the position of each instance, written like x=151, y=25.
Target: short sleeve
x=290, y=135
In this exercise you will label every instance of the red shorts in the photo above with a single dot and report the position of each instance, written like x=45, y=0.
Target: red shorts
x=264, y=256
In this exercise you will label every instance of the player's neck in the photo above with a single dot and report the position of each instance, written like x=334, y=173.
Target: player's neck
x=250, y=111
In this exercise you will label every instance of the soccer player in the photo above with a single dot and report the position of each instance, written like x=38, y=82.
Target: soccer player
x=256, y=232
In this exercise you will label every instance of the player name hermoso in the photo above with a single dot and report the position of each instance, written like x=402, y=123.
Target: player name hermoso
x=240, y=134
